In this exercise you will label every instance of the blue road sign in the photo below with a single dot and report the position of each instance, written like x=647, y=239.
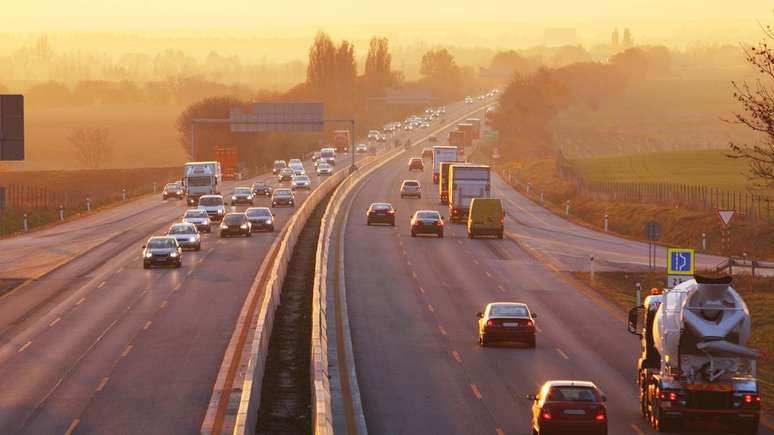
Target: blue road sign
x=680, y=261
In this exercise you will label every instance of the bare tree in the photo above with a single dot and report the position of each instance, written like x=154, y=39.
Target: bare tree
x=92, y=146
x=757, y=100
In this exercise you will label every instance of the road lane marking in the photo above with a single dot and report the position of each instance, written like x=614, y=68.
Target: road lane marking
x=430, y=307
x=126, y=351
x=26, y=345
x=147, y=325
x=459, y=241
x=71, y=428
x=408, y=262
x=564, y=355
x=176, y=288
x=476, y=262
x=163, y=304
x=637, y=429
x=80, y=301
x=147, y=287
x=501, y=288
x=102, y=384
x=421, y=289
x=457, y=356
x=488, y=274
x=499, y=431
x=189, y=272
x=102, y=284
x=119, y=270
x=414, y=274
x=440, y=328
x=54, y=322
x=476, y=391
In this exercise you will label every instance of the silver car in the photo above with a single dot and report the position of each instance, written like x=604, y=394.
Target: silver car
x=187, y=236
x=324, y=169
x=410, y=188
x=214, y=206
x=300, y=182
x=199, y=218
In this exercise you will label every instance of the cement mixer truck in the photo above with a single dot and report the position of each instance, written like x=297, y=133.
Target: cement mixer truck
x=695, y=362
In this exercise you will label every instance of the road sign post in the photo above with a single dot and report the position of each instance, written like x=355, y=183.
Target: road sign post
x=652, y=232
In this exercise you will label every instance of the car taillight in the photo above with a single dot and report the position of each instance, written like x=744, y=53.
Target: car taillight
x=530, y=323
x=546, y=415
x=391, y=211
x=668, y=395
x=455, y=211
x=751, y=398
x=490, y=322
x=600, y=416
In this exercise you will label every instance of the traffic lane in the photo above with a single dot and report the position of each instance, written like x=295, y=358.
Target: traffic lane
x=70, y=343
x=454, y=294
x=571, y=244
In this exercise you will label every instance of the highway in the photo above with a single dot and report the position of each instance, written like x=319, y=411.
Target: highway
x=99, y=345
x=412, y=305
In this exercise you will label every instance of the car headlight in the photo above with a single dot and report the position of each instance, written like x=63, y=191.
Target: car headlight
x=220, y=211
x=249, y=196
x=269, y=221
x=243, y=226
x=192, y=239
x=173, y=254
x=148, y=255
x=233, y=198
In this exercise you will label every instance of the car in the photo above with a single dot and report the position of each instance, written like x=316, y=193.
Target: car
x=568, y=406
x=286, y=175
x=283, y=196
x=380, y=213
x=187, y=235
x=410, y=188
x=481, y=98
x=426, y=222
x=373, y=135
x=468, y=100
x=200, y=218
x=242, y=195
x=297, y=167
x=261, y=218
x=235, y=224
x=161, y=251
x=382, y=138
x=260, y=189
x=424, y=124
x=486, y=217
x=427, y=153
x=416, y=164
x=315, y=156
x=361, y=148
x=279, y=165
x=324, y=169
x=301, y=182
x=172, y=190
x=408, y=127
x=214, y=206
x=506, y=322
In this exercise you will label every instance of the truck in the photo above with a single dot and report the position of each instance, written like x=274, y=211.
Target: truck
x=695, y=362
x=466, y=181
x=442, y=154
x=476, y=123
x=201, y=178
x=443, y=182
x=467, y=134
x=227, y=156
x=456, y=138
x=341, y=140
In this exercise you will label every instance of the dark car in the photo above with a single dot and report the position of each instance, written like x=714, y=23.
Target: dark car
x=282, y=196
x=261, y=189
x=261, y=218
x=568, y=407
x=235, y=224
x=426, y=222
x=380, y=213
x=286, y=175
x=416, y=164
x=172, y=190
x=161, y=251
x=506, y=321
x=242, y=195
x=427, y=153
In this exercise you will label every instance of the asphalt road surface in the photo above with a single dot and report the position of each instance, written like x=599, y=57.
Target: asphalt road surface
x=412, y=305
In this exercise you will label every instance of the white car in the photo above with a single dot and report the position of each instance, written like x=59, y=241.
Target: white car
x=361, y=148
x=373, y=135
x=300, y=182
x=200, y=218
x=214, y=206
x=410, y=188
x=324, y=169
x=468, y=100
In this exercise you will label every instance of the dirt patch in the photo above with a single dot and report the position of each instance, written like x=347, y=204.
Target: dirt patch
x=286, y=391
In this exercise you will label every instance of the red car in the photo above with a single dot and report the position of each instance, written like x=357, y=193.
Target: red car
x=416, y=163
x=568, y=407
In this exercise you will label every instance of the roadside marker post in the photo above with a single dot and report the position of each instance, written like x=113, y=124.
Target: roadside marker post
x=638, y=293
x=606, y=219
x=681, y=265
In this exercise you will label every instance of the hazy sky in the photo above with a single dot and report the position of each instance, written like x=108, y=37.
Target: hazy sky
x=50, y=15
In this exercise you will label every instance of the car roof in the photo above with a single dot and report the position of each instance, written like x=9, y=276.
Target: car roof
x=282, y=189
x=258, y=208
x=570, y=383
x=410, y=181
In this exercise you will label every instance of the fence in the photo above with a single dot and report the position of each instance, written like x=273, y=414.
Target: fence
x=751, y=206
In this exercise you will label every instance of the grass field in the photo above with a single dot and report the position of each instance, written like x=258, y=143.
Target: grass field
x=698, y=167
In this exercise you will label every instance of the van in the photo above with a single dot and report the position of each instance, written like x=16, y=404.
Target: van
x=486, y=218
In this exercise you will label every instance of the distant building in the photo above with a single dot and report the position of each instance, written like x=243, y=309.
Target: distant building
x=628, y=42
x=560, y=36
x=615, y=40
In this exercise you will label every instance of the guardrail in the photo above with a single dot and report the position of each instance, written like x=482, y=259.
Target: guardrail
x=730, y=263
x=322, y=413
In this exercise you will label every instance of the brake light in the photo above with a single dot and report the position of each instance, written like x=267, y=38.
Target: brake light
x=455, y=211
x=750, y=398
x=391, y=211
x=600, y=416
x=490, y=322
x=669, y=396
x=530, y=323
x=546, y=415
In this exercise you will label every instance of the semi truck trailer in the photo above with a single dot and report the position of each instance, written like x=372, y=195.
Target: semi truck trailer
x=466, y=181
x=442, y=154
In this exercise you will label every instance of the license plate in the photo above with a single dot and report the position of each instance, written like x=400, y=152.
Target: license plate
x=574, y=412
x=510, y=324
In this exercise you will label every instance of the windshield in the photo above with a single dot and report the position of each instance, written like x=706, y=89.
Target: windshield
x=509, y=311
x=381, y=206
x=161, y=244
x=302, y=178
x=258, y=212
x=211, y=201
x=242, y=191
x=182, y=229
x=234, y=219
x=195, y=214
x=410, y=183
x=282, y=193
x=199, y=181
x=327, y=153
x=280, y=164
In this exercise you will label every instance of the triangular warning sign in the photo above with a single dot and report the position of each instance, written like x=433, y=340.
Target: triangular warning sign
x=726, y=215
